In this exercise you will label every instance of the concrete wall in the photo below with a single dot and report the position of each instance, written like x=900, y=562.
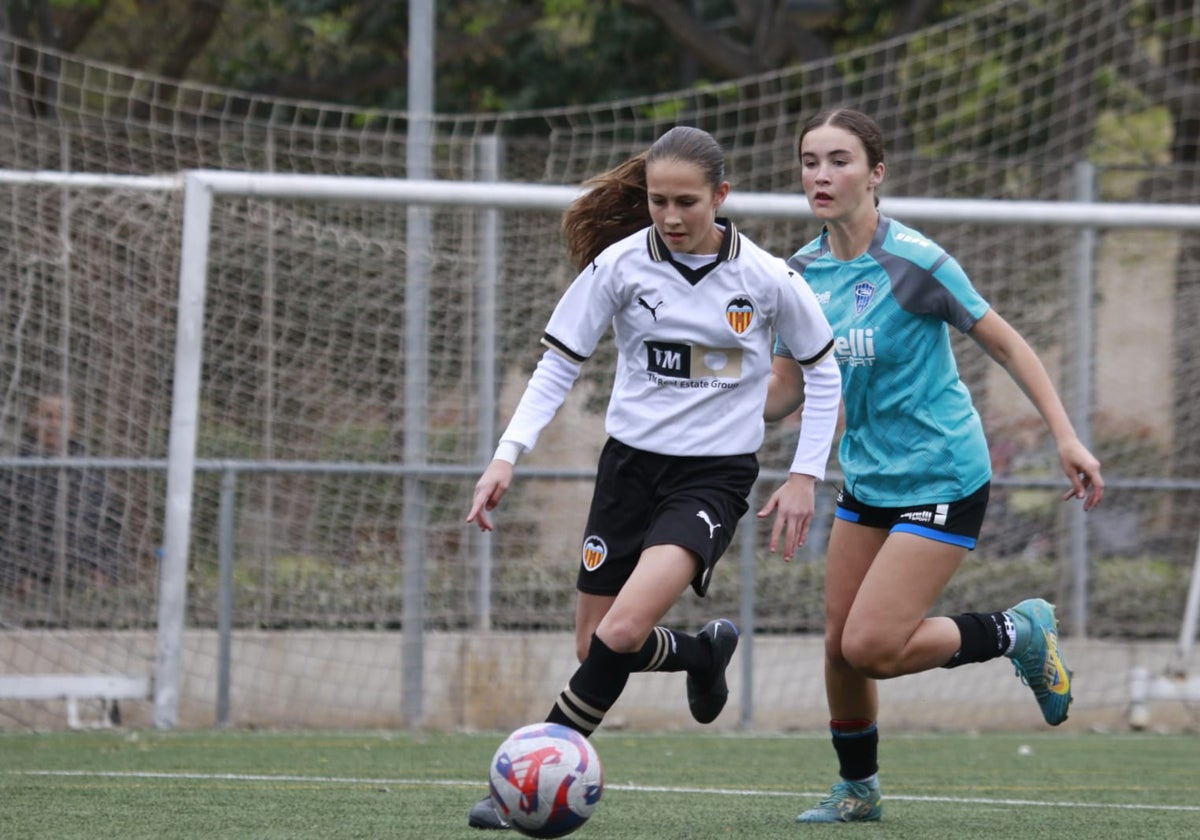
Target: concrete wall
x=495, y=682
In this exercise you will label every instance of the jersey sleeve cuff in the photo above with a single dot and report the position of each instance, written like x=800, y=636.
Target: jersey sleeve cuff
x=803, y=466
x=508, y=450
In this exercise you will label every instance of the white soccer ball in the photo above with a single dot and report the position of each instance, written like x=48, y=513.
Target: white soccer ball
x=546, y=779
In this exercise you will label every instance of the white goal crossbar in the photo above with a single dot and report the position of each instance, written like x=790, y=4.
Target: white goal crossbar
x=201, y=186
x=524, y=196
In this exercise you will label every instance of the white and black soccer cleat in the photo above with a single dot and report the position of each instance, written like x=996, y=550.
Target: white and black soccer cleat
x=485, y=814
x=707, y=695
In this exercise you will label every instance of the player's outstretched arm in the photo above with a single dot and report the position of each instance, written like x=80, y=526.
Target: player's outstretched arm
x=793, y=504
x=489, y=490
x=545, y=392
x=1083, y=471
x=1002, y=342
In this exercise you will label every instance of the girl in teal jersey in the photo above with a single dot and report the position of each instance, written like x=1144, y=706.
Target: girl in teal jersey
x=913, y=455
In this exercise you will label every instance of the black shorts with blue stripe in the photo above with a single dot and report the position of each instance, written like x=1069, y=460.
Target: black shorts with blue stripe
x=957, y=523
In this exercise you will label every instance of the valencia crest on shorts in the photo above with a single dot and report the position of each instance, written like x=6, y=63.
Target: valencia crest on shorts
x=595, y=552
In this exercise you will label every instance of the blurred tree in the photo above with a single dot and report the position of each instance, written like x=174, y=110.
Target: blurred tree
x=490, y=54
x=160, y=38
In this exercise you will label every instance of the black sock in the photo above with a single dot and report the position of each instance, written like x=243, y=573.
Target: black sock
x=984, y=636
x=666, y=650
x=593, y=688
x=856, y=743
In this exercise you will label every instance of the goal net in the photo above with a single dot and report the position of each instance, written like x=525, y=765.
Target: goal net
x=304, y=433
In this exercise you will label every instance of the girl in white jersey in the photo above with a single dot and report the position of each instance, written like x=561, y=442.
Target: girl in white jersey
x=693, y=306
x=913, y=454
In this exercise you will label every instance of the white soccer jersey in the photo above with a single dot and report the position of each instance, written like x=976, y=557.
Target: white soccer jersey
x=693, y=345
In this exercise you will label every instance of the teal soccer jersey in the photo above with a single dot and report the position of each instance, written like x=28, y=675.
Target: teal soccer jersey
x=912, y=433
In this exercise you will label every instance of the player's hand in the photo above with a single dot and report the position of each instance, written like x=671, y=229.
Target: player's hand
x=1083, y=471
x=489, y=490
x=793, y=505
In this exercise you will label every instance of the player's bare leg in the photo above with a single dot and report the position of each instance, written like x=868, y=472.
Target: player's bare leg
x=879, y=589
x=610, y=632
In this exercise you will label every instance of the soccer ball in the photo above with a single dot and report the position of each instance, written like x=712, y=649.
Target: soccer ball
x=546, y=779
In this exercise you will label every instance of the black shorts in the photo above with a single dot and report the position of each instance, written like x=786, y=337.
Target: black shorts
x=644, y=499
x=957, y=523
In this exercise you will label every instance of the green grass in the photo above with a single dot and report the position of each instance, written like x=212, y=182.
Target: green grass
x=237, y=784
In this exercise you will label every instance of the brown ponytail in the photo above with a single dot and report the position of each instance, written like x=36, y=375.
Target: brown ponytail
x=614, y=206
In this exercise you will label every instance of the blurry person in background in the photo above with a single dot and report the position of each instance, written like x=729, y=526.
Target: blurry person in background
x=57, y=520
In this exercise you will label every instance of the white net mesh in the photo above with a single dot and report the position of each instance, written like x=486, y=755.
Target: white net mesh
x=305, y=355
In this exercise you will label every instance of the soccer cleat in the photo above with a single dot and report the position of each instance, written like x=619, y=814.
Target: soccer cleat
x=847, y=802
x=706, y=699
x=485, y=814
x=1038, y=660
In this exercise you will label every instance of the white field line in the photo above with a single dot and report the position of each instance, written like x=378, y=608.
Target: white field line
x=353, y=780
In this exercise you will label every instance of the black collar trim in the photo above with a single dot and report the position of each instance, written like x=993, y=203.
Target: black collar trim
x=731, y=246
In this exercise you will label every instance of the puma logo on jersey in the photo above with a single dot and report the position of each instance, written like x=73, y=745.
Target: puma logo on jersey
x=653, y=310
x=712, y=529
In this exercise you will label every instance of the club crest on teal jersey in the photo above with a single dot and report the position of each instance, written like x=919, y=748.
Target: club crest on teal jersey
x=863, y=292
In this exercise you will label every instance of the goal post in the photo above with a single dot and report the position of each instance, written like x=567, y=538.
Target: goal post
x=202, y=187
x=286, y=365
x=1175, y=682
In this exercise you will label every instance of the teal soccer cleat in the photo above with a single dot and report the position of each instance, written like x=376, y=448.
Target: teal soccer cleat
x=1038, y=660
x=847, y=802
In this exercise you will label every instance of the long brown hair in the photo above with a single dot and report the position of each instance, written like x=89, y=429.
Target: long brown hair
x=615, y=204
